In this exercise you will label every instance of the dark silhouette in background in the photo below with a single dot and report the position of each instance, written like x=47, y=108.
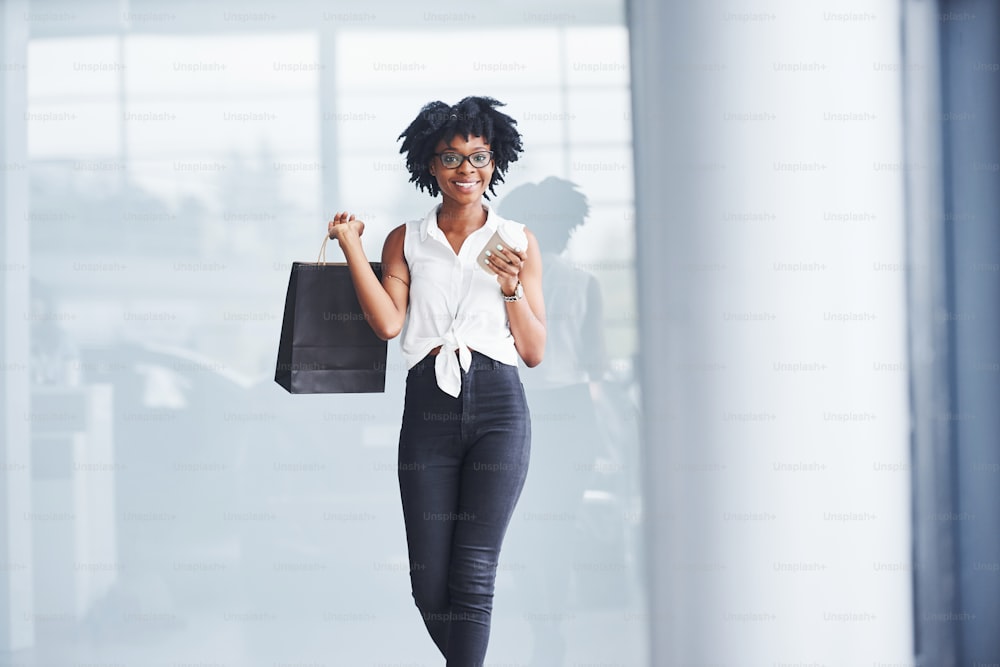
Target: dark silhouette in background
x=54, y=354
x=547, y=544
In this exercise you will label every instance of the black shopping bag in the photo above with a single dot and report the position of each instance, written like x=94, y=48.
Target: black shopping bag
x=326, y=345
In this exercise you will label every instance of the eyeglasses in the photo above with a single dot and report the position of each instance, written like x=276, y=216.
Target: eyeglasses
x=452, y=160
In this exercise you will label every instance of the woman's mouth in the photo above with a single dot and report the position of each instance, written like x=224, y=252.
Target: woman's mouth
x=466, y=186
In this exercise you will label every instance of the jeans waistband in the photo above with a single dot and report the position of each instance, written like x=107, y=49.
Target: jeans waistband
x=480, y=362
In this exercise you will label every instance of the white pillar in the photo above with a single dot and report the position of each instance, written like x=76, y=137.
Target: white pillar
x=16, y=595
x=769, y=211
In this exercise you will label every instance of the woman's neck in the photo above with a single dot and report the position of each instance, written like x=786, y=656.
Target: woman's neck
x=455, y=217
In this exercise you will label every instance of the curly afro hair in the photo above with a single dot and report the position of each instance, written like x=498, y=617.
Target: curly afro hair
x=473, y=116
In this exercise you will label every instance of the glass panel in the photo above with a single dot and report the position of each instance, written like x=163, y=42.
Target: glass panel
x=180, y=162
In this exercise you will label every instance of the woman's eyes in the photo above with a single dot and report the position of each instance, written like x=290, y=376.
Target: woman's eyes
x=452, y=160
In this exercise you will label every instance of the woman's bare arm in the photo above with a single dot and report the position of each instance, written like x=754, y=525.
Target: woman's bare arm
x=384, y=303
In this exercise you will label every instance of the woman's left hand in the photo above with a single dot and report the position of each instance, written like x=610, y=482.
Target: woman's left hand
x=507, y=265
x=344, y=223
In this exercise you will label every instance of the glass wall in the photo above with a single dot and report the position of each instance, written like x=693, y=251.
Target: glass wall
x=180, y=159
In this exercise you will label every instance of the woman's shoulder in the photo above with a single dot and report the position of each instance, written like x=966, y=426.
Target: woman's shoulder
x=398, y=230
x=403, y=237
x=419, y=225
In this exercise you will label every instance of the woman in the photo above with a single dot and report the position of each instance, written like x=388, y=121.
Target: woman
x=465, y=437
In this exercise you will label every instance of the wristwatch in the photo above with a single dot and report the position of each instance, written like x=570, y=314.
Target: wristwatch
x=516, y=296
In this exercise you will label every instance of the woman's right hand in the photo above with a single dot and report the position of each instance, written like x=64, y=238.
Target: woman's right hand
x=344, y=224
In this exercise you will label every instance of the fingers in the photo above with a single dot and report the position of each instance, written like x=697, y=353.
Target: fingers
x=343, y=218
x=331, y=226
x=515, y=257
x=506, y=262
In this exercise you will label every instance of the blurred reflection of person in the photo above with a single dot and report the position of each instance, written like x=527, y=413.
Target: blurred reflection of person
x=464, y=325
x=565, y=430
x=55, y=360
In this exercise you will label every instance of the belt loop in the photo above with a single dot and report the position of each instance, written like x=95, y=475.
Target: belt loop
x=496, y=365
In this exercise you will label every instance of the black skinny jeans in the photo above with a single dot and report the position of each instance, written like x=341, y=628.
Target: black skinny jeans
x=462, y=464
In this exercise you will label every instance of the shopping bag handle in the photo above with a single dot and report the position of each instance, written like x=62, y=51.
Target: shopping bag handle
x=322, y=251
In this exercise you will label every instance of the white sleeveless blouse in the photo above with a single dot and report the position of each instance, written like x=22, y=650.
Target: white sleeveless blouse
x=453, y=302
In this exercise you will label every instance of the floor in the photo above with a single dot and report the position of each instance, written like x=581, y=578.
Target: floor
x=248, y=639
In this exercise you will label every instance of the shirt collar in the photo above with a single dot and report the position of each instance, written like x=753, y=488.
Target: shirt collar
x=429, y=226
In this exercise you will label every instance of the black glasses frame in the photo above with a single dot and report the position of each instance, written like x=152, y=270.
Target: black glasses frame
x=464, y=158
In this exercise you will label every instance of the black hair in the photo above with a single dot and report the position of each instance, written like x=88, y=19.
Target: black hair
x=552, y=208
x=473, y=116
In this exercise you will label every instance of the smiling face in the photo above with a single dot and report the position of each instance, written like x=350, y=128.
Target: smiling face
x=464, y=184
